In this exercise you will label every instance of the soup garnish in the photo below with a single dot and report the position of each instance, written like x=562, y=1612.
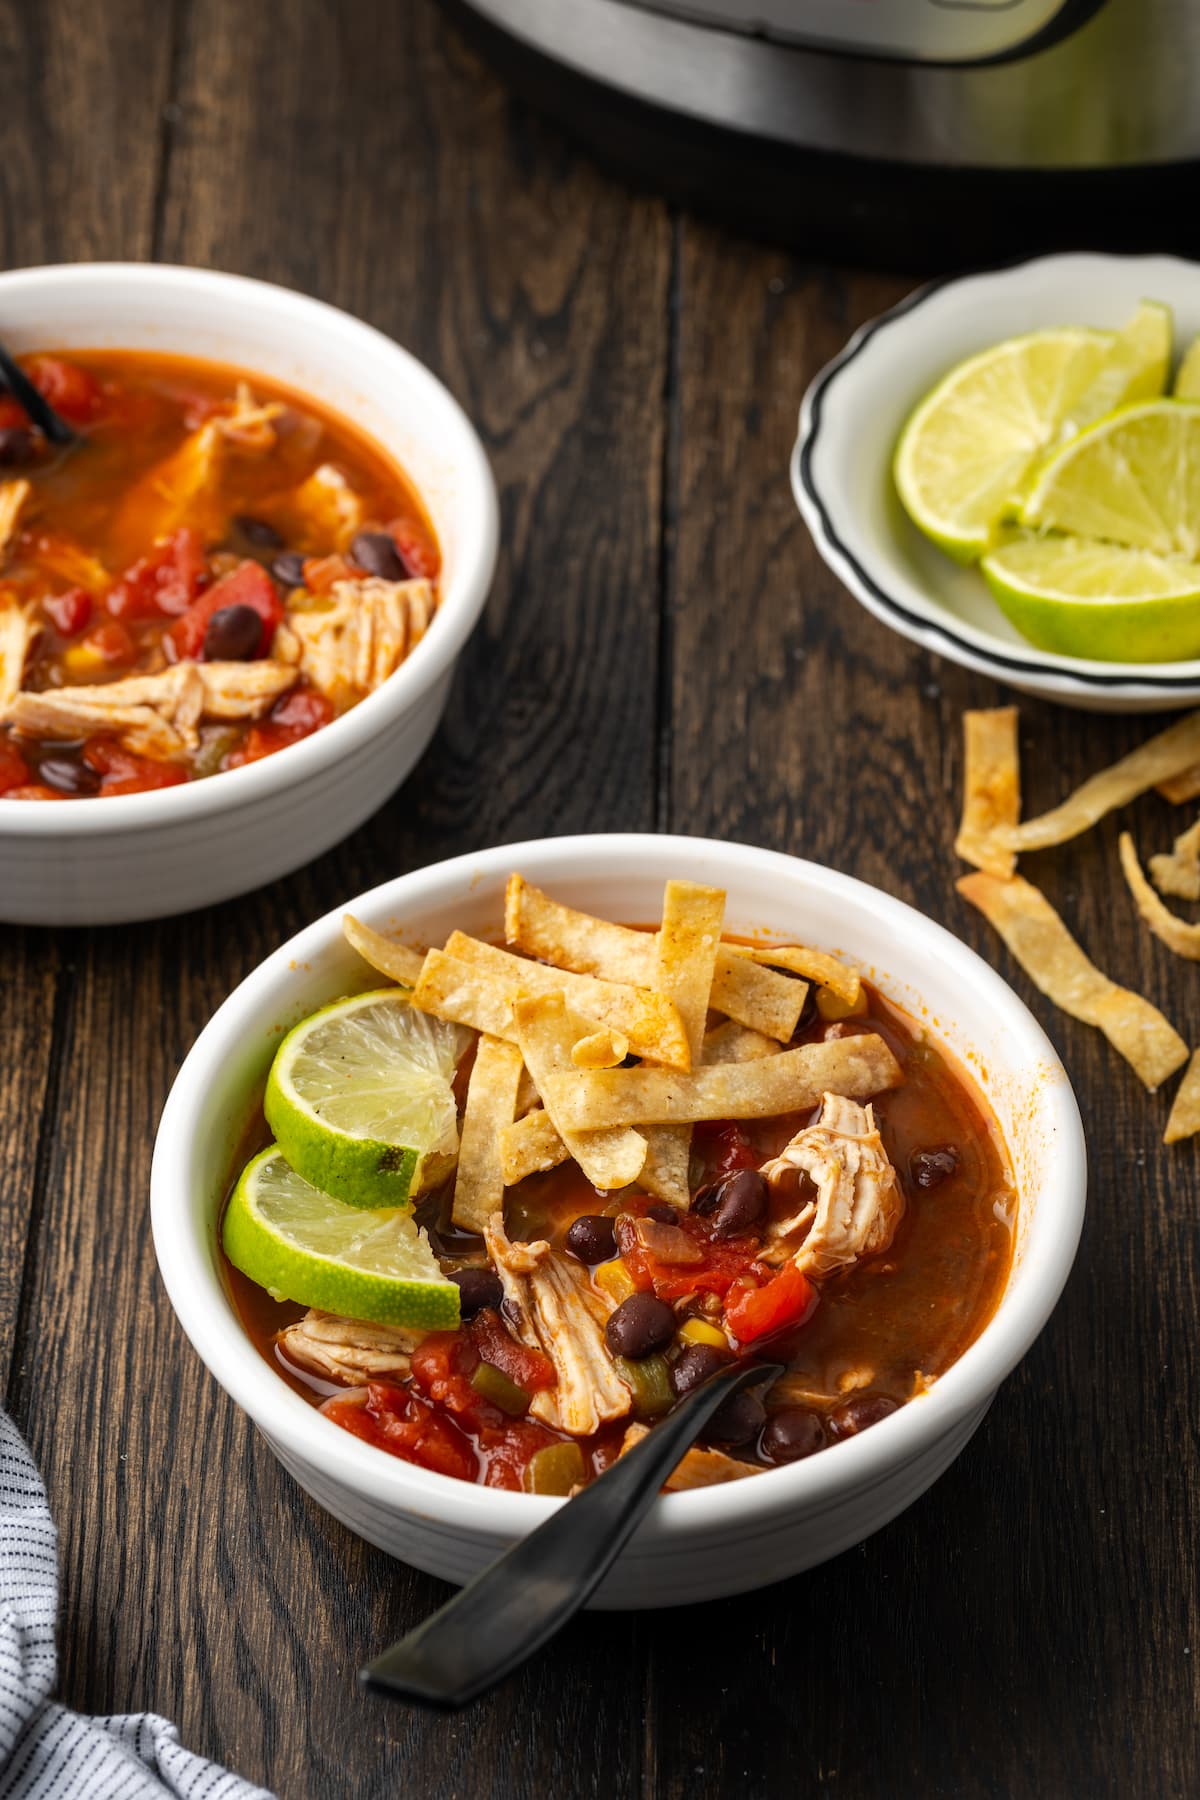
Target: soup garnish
x=217, y=570
x=523, y=1201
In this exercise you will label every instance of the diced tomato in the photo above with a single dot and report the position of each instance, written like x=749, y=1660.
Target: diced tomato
x=69, y=613
x=321, y=572
x=71, y=390
x=122, y=772
x=166, y=580
x=14, y=770
x=112, y=642
x=12, y=414
x=396, y=1420
x=35, y=791
x=247, y=585
x=724, y=1260
x=787, y=1299
x=418, y=552
x=725, y=1147
x=528, y=1368
x=296, y=716
x=507, y=1452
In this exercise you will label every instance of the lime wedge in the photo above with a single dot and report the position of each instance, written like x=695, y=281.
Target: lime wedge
x=360, y=1098
x=1078, y=597
x=303, y=1245
x=965, y=456
x=1132, y=479
x=1187, y=382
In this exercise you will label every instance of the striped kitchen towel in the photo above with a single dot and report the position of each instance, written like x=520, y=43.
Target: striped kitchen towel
x=46, y=1752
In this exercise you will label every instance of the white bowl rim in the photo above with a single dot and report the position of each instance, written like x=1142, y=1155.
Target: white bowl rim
x=460, y=605
x=854, y=1465
x=1048, y=670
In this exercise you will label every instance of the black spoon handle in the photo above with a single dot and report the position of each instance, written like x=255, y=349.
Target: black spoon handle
x=518, y=1603
x=40, y=411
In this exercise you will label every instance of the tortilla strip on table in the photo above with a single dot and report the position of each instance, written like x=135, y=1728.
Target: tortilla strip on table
x=491, y=1102
x=1176, y=933
x=742, y=989
x=686, y=960
x=1177, y=871
x=1161, y=757
x=649, y=1020
x=991, y=788
x=1055, y=963
x=546, y=1031
x=789, y=1081
x=1184, y=1121
x=383, y=953
x=1178, y=789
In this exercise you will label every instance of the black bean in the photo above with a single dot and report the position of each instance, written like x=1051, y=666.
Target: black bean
x=477, y=1288
x=258, y=532
x=853, y=1416
x=288, y=569
x=737, y=1420
x=640, y=1326
x=735, y=1203
x=697, y=1363
x=376, y=553
x=18, y=447
x=666, y=1215
x=69, y=776
x=792, y=1434
x=592, y=1238
x=929, y=1168
x=234, y=634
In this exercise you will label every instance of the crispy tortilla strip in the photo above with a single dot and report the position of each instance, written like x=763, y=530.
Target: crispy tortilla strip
x=789, y=1081
x=687, y=944
x=383, y=953
x=1178, y=873
x=606, y=1049
x=1176, y=933
x=732, y=1043
x=456, y=990
x=530, y=1147
x=815, y=965
x=491, y=1102
x=1179, y=789
x=1055, y=963
x=743, y=990
x=610, y=1158
x=18, y=628
x=650, y=1021
x=1184, y=1121
x=1166, y=755
x=697, y=1468
x=991, y=788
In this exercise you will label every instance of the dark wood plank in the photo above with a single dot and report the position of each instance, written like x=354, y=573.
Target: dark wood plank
x=383, y=169
x=1030, y=1627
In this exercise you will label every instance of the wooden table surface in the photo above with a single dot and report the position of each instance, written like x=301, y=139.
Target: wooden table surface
x=663, y=650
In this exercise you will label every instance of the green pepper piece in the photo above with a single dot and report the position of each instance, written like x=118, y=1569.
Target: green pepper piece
x=555, y=1470
x=649, y=1381
x=494, y=1385
x=214, y=748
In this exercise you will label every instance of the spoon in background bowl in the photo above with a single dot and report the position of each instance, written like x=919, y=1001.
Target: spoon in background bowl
x=51, y=424
x=491, y=1626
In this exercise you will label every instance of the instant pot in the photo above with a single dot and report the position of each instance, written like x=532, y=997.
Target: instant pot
x=918, y=132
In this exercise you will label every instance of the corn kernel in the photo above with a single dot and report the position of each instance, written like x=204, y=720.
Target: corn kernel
x=615, y=1279
x=831, y=1006
x=699, y=1331
x=82, y=659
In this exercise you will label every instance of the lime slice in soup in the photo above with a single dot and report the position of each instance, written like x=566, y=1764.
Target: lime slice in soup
x=301, y=1244
x=361, y=1101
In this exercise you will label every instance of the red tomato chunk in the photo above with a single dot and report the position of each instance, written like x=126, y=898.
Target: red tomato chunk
x=123, y=773
x=249, y=585
x=164, y=582
x=71, y=391
x=69, y=613
x=395, y=1420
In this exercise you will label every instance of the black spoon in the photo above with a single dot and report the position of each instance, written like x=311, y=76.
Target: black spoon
x=48, y=422
x=518, y=1603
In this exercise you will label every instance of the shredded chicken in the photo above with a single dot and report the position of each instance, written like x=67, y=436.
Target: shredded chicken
x=18, y=628
x=698, y=1468
x=326, y=507
x=13, y=495
x=352, y=645
x=859, y=1203
x=558, y=1311
x=186, y=486
x=153, y=715
x=349, y=1350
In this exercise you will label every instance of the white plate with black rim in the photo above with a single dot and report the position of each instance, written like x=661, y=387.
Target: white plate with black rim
x=853, y=414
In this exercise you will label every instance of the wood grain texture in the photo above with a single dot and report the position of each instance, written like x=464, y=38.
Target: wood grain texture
x=664, y=648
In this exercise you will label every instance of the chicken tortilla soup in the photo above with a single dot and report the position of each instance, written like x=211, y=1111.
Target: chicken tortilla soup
x=215, y=569
x=519, y=1201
